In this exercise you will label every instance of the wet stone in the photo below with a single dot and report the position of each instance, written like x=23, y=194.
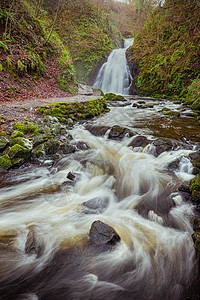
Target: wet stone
x=34, y=244
x=162, y=145
x=102, y=234
x=139, y=141
x=95, y=205
x=196, y=225
x=118, y=133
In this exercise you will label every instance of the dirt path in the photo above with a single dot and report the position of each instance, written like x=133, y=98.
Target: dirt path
x=11, y=111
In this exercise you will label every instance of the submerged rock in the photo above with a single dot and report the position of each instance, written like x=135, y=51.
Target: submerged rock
x=34, y=243
x=118, y=133
x=102, y=234
x=95, y=205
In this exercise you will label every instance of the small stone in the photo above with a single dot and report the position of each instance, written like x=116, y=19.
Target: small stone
x=34, y=243
x=71, y=176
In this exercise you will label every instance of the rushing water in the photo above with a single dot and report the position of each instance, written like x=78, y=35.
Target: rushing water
x=114, y=75
x=155, y=258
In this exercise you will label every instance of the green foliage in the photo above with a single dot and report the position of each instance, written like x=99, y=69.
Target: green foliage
x=75, y=110
x=1, y=67
x=167, y=50
x=5, y=162
x=88, y=34
x=4, y=47
x=20, y=127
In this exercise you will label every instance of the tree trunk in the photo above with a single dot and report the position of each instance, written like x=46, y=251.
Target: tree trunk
x=7, y=18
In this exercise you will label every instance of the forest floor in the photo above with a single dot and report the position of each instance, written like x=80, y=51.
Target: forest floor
x=14, y=107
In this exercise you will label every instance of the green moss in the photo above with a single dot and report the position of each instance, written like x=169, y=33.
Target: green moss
x=171, y=113
x=33, y=128
x=5, y=162
x=3, y=144
x=114, y=97
x=17, y=134
x=21, y=127
x=18, y=151
x=16, y=162
x=3, y=133
x=75, y=110
x=195, y=183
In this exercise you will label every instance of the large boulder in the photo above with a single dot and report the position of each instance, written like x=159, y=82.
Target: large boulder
x=3, y=144
x=101, y=234
x=139, y=141
x=118, y=133
x=162, y=145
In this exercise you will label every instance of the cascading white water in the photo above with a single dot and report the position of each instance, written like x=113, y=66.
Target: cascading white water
x=114, y=75
x=155, y=258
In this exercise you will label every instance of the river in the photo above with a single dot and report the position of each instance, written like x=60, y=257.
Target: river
x=134, y=186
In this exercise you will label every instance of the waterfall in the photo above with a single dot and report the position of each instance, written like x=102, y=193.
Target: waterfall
x=114, y=75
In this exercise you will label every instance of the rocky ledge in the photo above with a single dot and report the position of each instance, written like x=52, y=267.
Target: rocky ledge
x=45, y=134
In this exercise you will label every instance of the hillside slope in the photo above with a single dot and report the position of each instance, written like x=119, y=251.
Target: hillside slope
x=42, y=41
x=87, y=30
x=168, y=52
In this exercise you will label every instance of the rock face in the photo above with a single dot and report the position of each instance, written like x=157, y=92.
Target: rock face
x=196, y=234
x=102, y=234
x=134, y=70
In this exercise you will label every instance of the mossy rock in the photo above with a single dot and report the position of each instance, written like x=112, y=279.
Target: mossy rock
x=171, y=113
x=3, y=144
x=195, y=183
x=114, y=97
x=195, y=188
x=118, y=133
x=40, y=138
x=21, y=127
x=22, y=142
x=17, y=162
x=39, y=151
x=196, y=164
x=196, y=240
x=5, y=162
x=17, y=151
x=52, y=146
x=16, y=134
x=75, y=110
x=33, y=128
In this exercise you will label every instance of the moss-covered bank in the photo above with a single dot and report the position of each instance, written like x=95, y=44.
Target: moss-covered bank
x=75, y=110
x=167, y=51
x=47, y=136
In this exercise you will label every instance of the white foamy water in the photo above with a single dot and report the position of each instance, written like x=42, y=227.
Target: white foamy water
x=155, y=258
x=114, y=75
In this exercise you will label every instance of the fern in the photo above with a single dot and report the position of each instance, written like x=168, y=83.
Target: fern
x=4, y=46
